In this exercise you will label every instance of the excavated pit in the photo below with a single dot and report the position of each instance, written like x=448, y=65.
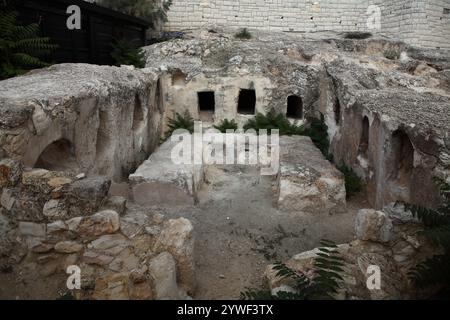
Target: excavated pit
x=69, y=144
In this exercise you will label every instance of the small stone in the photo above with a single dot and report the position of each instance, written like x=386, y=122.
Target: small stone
x=38, y=246
x=7, y=199
x=87, y=195
x=10, y=172
x=153, y=230
x=57, y=193
x=103, y=222
x=56, y=226
x=68, y=247
x=111, y=286
x=70, y=260
x=58, y=182
x=137, y=276
x=110, y=244
x=91, y=257
x=32, y=229
x=221, y=276
x=158, y=218
x=373, y=225
x=55, y=210
x=117, y=204
x=125, y=261
x=80, y=176
x=74, y=223
x=141, y=291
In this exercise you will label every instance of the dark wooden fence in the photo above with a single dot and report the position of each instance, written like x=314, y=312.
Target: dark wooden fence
x=99, y=26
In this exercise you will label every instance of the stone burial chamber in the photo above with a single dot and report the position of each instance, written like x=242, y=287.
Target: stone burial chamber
x=70, y=134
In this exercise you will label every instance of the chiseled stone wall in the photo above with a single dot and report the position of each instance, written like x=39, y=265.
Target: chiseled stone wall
x=423, y=23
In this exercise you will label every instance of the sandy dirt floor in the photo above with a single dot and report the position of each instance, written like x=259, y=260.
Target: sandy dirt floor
x=239, y=231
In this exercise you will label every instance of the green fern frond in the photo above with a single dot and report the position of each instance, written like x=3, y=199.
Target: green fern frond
x=21, y=47
x=323, y=284
x=429, y=217
x=180, y=121
x=274, y=120
x=434, y=271
x=227, y=125
x=127, y=52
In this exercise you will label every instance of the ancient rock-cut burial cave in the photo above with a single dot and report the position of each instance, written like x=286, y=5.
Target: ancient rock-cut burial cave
x=88, y=177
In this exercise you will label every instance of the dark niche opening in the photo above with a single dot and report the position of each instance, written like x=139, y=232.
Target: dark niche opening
x=247, y=101
x=58, y=156
x=337, y=111
x=364, y=140
x=294, y=107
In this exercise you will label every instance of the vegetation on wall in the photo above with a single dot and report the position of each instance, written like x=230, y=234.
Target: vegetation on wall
x=434, y=272
x=274, y=120
x=155, y=11
x=318, y=132
x=226, y=125
x=21, y=47
x=357, y=35
x=243, y=34
x=127, y=52
x=322, y=284
x=353, y=184
x=179, y=121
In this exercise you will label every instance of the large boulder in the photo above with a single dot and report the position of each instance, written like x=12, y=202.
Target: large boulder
x=307, y=182
x=373, y=225
x=85, y=196
x=162, y=269
x=160, y=180
x=103, y=222
x=177, y=238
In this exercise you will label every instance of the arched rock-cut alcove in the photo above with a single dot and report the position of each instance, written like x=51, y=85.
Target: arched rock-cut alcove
x=58, y=156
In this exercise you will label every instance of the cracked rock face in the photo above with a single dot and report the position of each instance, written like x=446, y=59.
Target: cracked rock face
x=81, y=118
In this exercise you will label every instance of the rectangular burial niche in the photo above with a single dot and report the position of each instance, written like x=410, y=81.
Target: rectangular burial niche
x=294, y=107
x=247, y=101
x=206, y=105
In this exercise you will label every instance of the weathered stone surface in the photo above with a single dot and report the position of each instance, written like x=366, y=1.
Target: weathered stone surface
x=55, y=210
x=137, y=276
x=32, y=229
x=162, y=268
x=91, y=257
x=7, y=199
x=112, y=286
x=141, y=291
x=10, y=172
x=306, y=180
x=117, y=204
x=111, y=244
x=84, y=103
x=177, y=238
x=373, y=225
x=133, y=224
x=39, y=246
x=160, y=180
x=68, y=247
x=126, y=260
x=87, y=195
x=103, y=222
x=43, y=181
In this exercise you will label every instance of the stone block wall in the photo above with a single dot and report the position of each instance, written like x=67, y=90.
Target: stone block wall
x=418, y=22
